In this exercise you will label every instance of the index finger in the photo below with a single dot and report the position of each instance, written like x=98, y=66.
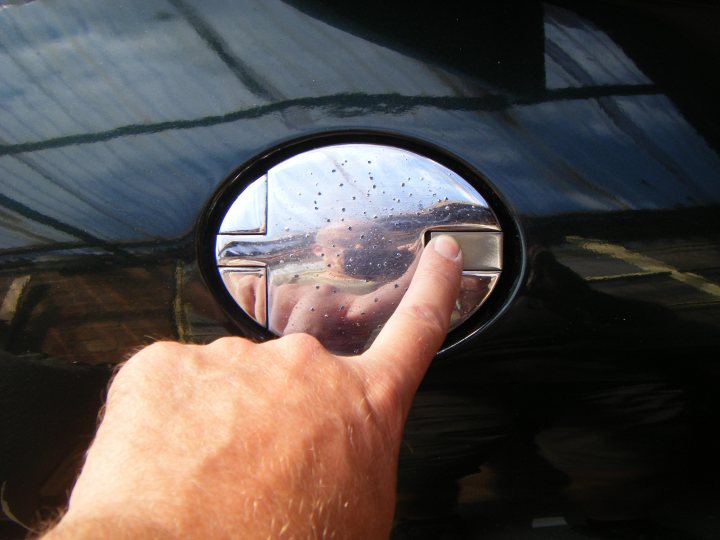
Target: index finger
x=406, y=345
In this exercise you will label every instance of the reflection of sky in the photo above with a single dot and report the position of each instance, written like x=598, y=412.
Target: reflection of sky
x=348, y=183
x=85, y=67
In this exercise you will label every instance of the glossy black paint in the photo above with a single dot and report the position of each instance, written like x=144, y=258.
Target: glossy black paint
x=592, y=396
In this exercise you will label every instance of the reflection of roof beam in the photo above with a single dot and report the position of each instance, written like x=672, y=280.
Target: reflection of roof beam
x=78, y=194
x=345, y=105
x=245, y=74
x=616, y=114
x=58, y=225
x=155, y=250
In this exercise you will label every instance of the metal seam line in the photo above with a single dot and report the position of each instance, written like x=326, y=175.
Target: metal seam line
x=244, y=73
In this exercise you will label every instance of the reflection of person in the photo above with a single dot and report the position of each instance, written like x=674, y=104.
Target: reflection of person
x=240, y=440
x=364, y=275
x=362, y=251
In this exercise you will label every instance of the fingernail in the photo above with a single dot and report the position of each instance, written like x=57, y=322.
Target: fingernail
x=447, y=246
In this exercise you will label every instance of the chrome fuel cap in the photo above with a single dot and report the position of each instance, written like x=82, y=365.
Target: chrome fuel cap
x=327, y=241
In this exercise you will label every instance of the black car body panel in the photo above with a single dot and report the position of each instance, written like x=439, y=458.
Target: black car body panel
x=590, y=397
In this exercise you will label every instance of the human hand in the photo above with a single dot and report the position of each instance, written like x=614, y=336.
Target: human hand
x=281, y=439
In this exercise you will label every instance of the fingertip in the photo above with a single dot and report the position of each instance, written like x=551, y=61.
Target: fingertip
x=446, y=246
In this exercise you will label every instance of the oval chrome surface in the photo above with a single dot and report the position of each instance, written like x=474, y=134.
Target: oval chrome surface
x=327, y=241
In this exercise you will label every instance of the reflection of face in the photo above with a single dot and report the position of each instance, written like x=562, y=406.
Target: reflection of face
x=378, y=264
x=360, y=251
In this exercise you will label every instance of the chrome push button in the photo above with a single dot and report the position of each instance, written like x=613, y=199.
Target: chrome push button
x=327, y=241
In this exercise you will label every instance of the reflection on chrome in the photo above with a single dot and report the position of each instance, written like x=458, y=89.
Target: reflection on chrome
x=344, y=227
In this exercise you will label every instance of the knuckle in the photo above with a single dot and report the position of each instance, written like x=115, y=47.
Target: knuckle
x=156, y=352
x=228, y=345
x=301, y=343
x=121, y=382
x=155, y=360
x=298, y=353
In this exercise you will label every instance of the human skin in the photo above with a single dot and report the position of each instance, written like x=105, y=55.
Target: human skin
x=274, y=440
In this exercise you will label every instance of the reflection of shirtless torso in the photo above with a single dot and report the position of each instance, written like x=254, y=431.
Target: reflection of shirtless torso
x=336, y=305
x=343, y=316
x=339, y=319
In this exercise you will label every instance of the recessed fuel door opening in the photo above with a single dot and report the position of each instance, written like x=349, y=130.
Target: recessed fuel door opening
x=326, y=241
